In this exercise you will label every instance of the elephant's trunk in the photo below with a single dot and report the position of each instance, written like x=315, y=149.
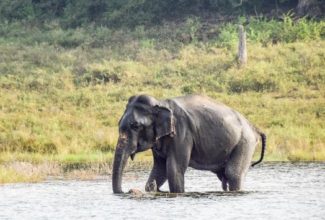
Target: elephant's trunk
x=120, y=159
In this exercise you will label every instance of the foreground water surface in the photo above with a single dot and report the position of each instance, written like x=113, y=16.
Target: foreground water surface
x=271, y=191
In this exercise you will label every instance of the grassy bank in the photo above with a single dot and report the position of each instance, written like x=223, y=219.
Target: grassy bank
x=34, y=167
x=63, y=92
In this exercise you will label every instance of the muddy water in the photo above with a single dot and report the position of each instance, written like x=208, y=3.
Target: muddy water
x=272, y=191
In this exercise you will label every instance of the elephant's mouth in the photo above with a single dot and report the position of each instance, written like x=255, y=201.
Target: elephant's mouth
x=132, y=155
x=140, y=148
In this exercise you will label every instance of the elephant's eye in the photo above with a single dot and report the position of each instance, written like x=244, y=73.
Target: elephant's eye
x=135, y=126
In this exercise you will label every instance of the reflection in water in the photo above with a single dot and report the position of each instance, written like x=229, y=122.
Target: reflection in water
x=271, y=191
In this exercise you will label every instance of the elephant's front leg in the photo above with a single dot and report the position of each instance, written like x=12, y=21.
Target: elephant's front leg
x=175, y=175
x=157, y=176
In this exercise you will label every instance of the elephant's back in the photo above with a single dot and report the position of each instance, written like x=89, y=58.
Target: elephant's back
x=203, y=106
x=217, y=127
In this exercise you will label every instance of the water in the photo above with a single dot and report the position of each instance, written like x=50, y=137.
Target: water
x=272, y=191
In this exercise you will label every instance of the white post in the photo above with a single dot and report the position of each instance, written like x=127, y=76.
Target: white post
x=242, y=50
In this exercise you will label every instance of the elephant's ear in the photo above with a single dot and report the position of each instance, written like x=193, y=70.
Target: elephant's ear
x=164, y=122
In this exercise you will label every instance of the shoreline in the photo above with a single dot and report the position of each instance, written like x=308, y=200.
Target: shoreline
x=27, y=172
x=24, y=171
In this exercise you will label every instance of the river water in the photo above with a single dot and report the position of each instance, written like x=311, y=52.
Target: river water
x=271, y=191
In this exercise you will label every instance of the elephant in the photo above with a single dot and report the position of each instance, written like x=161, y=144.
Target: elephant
x=189, y=131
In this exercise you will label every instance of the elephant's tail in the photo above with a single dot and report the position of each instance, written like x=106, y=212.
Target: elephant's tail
x=263, y=137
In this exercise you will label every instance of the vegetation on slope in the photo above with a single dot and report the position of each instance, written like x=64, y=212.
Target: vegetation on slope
x=63, y=90
x=59, y=100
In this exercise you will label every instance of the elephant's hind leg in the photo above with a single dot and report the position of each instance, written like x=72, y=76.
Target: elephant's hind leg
x=222, y=177
x=239, y=163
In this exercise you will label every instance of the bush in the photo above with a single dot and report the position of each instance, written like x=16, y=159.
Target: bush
x=272, y=31
x=128, y=13
x=252, y=84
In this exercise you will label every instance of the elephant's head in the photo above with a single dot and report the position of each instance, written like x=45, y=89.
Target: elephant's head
x=144, y=121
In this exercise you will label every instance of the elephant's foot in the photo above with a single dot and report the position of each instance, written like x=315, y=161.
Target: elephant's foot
x=151, y=186
x=235, y=185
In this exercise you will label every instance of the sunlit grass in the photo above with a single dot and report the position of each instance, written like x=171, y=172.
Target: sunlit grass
x=37, y=158
x=62, y=106
x=11, y=175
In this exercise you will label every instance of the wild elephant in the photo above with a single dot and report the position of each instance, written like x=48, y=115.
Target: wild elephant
x=190, y=131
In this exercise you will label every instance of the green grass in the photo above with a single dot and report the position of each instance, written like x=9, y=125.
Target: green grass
x=126, y=42
x=61, y=105
x=37, y=158
x=10, y=175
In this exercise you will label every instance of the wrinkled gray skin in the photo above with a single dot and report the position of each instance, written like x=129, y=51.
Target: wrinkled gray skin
x=190, y=131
